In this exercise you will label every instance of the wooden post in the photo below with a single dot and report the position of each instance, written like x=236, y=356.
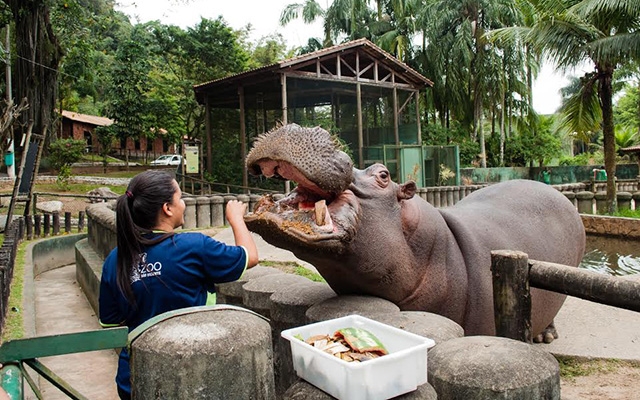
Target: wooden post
x=81, y=221
x=56, y=223
x=359, y=114
x=207, y=124
x=283, y=84
x=67, y=222
x=511, y=295
x=243, y=137
x=47, y=224
x=36, y=224
x=29, y=222
x=417, y=94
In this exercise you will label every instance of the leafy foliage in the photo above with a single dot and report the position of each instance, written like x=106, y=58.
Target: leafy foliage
x=62, y=154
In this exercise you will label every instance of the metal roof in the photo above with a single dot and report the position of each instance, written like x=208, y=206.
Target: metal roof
x=367, y=46
x=87, y=119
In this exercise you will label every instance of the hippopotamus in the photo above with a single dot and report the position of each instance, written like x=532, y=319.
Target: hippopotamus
x=367, y=234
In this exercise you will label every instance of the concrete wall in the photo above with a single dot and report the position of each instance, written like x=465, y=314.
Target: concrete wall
x=611, y=226
x=54, y=252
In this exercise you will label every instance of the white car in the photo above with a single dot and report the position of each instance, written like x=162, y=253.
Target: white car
x=167, y=160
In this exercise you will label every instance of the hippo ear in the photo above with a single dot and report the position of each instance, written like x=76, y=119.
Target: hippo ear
x=406, y=190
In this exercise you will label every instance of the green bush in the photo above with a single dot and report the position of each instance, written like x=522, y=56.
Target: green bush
x=62, y=154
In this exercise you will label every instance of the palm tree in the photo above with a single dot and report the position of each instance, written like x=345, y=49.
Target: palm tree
x=309, y=11
x=470, y=60
x=603, y=32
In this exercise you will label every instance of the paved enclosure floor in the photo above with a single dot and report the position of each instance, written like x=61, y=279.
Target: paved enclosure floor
x=61, y=307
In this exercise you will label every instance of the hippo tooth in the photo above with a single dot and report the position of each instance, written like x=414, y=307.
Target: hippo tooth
x=323, y=218
x=321, y=211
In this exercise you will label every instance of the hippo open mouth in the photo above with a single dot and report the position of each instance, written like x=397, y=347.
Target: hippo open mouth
x=321, y=210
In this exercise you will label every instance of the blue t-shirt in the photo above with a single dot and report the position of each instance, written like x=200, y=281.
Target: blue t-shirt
x=175, y=273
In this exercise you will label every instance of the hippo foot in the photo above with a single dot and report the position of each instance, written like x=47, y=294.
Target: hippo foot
x=548, y=335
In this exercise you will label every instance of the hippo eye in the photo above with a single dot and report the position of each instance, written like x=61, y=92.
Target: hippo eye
x=384, y=174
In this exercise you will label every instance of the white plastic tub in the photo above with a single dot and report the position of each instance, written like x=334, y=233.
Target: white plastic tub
x=400, y=371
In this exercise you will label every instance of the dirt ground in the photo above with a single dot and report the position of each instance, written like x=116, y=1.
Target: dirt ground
x=619, y=383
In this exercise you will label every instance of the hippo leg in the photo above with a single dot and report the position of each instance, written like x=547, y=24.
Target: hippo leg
x=548, y=335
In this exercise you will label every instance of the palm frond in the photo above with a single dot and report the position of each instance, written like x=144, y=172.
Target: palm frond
x=618, y=48
x=619, y=7
x=580, y=112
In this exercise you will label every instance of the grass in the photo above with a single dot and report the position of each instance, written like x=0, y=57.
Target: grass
x=14, y=322
x=75, y=188
x=571, y=368
x=627, y=213
x=291, y=267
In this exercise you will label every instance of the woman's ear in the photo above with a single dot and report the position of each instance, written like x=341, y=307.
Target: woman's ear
x=166, y=209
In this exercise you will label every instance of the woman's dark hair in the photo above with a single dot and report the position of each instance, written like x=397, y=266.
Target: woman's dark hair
x=137, y=212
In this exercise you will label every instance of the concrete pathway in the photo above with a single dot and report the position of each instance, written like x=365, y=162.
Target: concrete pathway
x=61, y=307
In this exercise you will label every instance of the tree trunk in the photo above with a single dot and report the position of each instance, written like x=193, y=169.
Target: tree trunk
x=38, y=56
x=605, y=92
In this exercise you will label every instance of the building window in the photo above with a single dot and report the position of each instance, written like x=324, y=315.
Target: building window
x=149, y=144
x=165, y=146
x=137, y=144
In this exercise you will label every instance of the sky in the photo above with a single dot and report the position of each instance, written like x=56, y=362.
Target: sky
x=263, y=15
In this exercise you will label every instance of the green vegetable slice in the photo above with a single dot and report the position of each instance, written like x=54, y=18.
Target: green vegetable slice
x=361, y=340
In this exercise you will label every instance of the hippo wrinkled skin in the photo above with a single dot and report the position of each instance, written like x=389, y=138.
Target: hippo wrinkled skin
x=369, y=235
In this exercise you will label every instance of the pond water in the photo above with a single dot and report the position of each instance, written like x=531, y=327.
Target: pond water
x=612, y=256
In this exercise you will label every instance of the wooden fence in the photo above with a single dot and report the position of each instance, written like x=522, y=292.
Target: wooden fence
x=513, y=275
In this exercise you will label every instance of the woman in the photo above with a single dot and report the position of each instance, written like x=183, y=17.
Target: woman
x=153, y=270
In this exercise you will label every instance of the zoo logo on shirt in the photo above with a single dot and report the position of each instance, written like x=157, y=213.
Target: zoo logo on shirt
x=145, y=269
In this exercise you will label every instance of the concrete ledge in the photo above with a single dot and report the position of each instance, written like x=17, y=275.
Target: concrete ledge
x=611, y=226
x=88, y=271
x=54, y=252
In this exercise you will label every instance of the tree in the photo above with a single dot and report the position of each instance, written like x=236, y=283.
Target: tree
x=627, y=111
x=603, y=32
x=62, y=154
x=309, y=12
x=38, y=55
x=127, y=101
x=465, y=61
x=106, y=135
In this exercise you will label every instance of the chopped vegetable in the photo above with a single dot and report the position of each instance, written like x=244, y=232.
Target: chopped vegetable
x=361, y=340
x=349, y=344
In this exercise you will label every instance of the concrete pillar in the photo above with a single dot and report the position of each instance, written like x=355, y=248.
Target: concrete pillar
x=288, y=310
x=443, y=196
x=450, y=201
x=215, y=354
x=231, y=292
x=601, y=202
x=624, y=200
x=484, y=367
x=256, y=294
x=571, y=196
x=429, y=325
x=422, y=192
x=457, y=194
x=430, y=196
x=301, y=389
x=436, y=197
x=203, y=212
x=341, y=306
x=585, y=202
x=190, y=221
x=217, y=211
x=636, y=200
